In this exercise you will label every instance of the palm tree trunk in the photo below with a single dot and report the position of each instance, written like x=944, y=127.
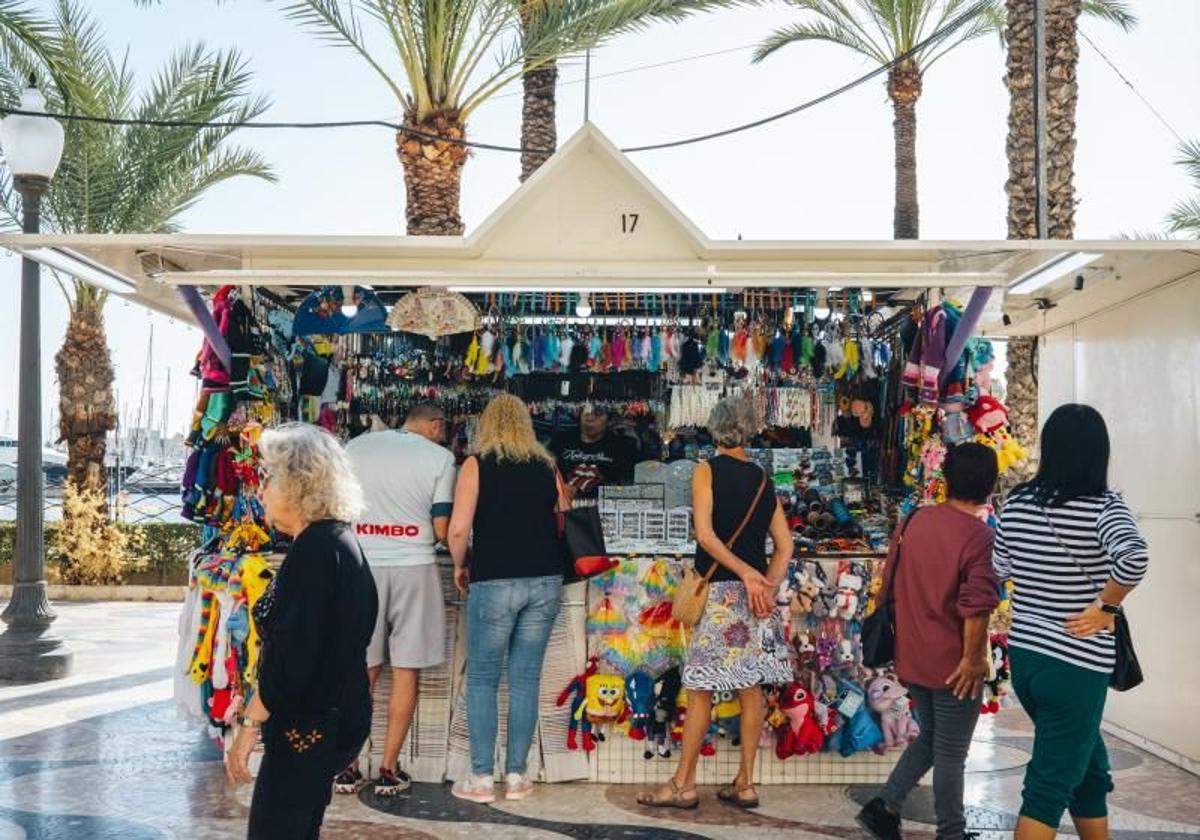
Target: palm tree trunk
x=85, y=396
x=432, y=174
x=904, y=89
x=538, y=128
x=1021, y=186
x=1062, y=96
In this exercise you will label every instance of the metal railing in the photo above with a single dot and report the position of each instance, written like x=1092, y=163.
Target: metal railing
x=149, y=494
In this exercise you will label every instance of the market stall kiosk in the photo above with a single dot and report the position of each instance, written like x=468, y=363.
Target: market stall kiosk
x=660, y=320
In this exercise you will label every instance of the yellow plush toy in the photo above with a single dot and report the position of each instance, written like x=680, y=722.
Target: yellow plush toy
x=604, y=700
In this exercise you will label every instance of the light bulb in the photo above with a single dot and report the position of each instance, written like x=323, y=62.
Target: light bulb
x=583, y=309
x=349, y=310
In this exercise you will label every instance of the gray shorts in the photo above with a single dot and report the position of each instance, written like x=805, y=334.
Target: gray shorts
x=410, y=629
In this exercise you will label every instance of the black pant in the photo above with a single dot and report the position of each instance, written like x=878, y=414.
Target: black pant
x=947, y=725
x=273, y=817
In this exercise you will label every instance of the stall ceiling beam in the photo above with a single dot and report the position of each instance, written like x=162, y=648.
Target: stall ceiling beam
x=556, y=278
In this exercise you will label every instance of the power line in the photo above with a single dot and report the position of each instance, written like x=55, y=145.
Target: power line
x=641, y=67
x=1131, y=86
x=947, y=30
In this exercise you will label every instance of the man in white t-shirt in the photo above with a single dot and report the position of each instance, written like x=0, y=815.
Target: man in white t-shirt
x=408, y=485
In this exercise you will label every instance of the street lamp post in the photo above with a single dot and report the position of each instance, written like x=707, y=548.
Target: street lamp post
x=32, y=149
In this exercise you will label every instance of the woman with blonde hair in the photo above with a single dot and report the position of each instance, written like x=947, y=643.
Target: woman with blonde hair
x=312, y=703
x=506, y=502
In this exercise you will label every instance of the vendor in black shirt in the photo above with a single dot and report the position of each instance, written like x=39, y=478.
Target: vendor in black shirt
x=594, y=454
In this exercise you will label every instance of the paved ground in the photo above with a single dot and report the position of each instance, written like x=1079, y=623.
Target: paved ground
x=102, y=754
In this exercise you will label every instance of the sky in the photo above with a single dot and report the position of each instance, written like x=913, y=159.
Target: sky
x=825, y=173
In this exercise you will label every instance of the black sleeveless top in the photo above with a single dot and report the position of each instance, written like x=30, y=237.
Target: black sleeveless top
x=734, y=484
x=515, y=527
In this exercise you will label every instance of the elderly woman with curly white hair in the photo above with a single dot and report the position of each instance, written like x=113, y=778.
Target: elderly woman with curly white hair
x=312, y=703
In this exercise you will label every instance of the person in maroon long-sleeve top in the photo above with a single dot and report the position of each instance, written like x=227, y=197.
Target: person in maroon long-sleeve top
x=940, y=571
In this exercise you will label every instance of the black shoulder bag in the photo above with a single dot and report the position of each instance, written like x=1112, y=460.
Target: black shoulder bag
x=879, y=629
x=1127, y=671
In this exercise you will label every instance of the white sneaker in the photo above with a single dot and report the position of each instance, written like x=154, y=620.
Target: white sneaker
x=517, y=786
x=475, y=788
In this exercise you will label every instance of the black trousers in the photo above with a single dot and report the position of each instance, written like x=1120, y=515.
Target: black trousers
x=276, y=817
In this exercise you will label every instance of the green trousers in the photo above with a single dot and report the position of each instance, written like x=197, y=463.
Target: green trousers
x=1069, y=770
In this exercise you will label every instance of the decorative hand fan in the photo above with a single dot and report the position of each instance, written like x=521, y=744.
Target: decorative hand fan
x=434, y=313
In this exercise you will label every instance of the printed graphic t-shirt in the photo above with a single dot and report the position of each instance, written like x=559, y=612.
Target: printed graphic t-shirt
x=407, y=480
x=585, y=466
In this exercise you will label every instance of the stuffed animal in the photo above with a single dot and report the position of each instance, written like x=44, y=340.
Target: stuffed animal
x=860, y=731
x=727, y=710
x=889, y=699
x=666, y=690
x=996, y=689
x=800, y=735
x=604, y=701
x=639, y=695
x=988, y=414
x=576, y=692
x=849, y=586
x=805, y=649
x=773, y=717
x=845, y=653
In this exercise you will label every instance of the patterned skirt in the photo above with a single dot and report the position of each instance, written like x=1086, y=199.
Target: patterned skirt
x=731, y=649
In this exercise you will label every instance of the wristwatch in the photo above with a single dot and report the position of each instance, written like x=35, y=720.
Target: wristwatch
x=1111, y=609
x=250, y=722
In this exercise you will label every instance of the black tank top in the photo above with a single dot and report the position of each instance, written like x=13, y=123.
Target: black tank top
x=734, y=484
x=515, y=527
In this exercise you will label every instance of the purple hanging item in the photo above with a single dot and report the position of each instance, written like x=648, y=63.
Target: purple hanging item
x=191, y=296
x=966, y=326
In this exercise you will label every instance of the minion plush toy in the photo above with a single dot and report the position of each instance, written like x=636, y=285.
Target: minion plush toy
x=728, y=713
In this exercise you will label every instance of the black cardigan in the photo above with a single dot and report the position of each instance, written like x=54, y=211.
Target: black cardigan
x=316, y=634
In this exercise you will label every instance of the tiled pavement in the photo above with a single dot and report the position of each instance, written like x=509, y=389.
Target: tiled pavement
x=102, y=754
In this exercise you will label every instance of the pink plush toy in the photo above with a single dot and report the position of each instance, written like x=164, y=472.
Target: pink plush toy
x=889, y=699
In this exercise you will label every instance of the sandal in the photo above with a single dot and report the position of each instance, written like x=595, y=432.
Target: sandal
x=732, y=794
x=675, y=800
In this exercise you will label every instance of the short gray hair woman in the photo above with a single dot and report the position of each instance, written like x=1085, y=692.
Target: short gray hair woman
x=315, y=620
x=732, y=422
x=738, y=644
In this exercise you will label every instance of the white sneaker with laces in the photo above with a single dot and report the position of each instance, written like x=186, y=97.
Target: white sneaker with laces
x=517, y=786
x=475, y=788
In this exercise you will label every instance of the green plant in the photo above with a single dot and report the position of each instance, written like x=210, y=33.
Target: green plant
x=1185, y=215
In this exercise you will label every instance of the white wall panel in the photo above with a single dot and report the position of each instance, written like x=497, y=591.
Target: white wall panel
x=1139, y=365
x=1056, y=370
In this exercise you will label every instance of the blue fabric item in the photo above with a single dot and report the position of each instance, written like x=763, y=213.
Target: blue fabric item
x=513, y=617
x=440, y=509
x=656, y=346
x=321, y=313
x=723, y=347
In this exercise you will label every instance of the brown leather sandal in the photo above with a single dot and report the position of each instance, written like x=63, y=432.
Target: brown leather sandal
x=676, y=799
x=732, y=794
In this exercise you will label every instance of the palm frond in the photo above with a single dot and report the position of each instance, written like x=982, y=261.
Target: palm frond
x=1112, y=11
x=1185, y=218
x=135, y=178
x=1189, y=159
x=336, y=23
x=814, y=31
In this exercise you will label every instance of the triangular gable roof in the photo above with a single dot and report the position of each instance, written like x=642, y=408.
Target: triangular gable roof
x=588, y=199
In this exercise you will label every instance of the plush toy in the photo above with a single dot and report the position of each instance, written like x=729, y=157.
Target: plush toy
x=860, y=731
x=996, y=688
x=774, y=716
x=805, y=649
x=639, y=694
x=576, y=692
x=826, y=652
x=800, y=735
x=889, y=699
x=727, y=710
x=845, y=653
x=804, y=597
x=666, y=690
x=849, y=587
x=604, y=701
x=988, y=414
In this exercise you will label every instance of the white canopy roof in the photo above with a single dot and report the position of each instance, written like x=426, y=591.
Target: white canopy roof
x=590, y=219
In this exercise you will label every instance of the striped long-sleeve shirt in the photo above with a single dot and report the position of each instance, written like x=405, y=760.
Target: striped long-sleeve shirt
x=1048, y=586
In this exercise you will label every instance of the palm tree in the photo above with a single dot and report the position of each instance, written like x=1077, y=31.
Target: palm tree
x=888, y=32
x=441, y=46
x=1185, y=216
x=1062, y=95
x=123, y=179
x=539, y=108
x=22, y=30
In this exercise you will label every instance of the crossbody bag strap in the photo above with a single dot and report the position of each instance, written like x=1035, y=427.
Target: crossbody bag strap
x=762, y=485
x=1069, y=553
x=891, y=584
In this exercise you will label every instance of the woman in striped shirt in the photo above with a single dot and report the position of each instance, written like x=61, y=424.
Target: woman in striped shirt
x=1073, y=551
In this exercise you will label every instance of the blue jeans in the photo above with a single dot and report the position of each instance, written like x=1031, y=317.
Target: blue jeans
x=512, y=616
